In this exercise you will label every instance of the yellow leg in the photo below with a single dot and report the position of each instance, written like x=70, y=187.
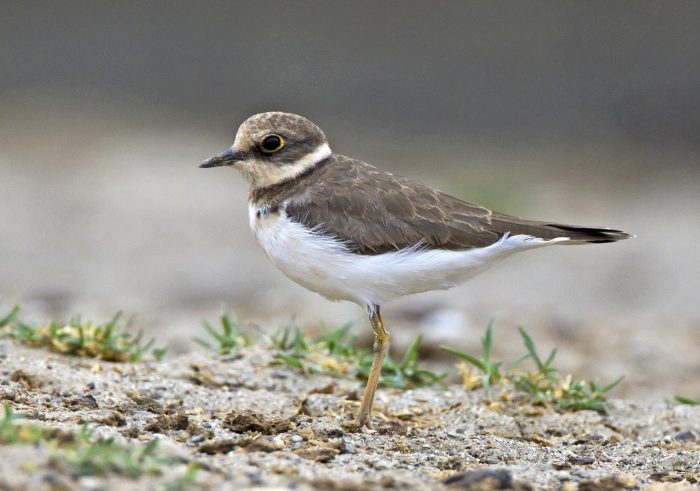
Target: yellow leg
x=381, y=345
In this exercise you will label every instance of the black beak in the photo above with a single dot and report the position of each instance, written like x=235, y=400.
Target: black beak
x=229, y=157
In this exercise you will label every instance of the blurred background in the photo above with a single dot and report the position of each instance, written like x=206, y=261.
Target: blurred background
x=585, y=112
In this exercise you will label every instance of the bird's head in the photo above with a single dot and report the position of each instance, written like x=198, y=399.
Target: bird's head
x=272, y=147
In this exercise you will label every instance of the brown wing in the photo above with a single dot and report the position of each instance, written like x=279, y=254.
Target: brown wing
x=373, y=212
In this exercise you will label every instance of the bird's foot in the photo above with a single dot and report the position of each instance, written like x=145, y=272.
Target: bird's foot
x=357, y=424
x=364, y=420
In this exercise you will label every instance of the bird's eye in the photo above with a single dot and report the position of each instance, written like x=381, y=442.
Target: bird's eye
x=272, y=143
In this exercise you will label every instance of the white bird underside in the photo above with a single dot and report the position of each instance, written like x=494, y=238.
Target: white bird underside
x=323, y=264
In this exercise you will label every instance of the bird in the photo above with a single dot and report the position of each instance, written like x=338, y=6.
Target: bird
x=349, y=231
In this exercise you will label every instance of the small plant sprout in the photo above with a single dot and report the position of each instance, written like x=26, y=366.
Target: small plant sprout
x=290, y=338
x=13, y=432
x=544, y=368
x=10, y=317
x=330, y=353
x=226, y=340
x=491, y=371
x=83, y=454
x=544, y=386
x=89, y=456
x=547, y=386
x=336, y=353
x=82, y=338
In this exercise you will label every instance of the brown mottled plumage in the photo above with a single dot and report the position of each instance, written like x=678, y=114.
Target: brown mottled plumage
x=373, y=211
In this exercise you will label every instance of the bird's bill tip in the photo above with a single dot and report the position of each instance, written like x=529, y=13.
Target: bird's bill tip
x=229, y=157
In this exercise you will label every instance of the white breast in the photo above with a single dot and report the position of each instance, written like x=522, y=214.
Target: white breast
x=323, y=265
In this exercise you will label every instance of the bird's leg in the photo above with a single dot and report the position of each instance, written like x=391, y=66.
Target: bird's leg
x=381, y=345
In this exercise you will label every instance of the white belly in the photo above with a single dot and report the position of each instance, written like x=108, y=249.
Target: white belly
x=323, y=265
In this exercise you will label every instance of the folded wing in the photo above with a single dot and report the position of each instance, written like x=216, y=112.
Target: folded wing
x=373, y=212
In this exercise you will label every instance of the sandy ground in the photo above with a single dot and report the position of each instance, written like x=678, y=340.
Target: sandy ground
x=251, y=426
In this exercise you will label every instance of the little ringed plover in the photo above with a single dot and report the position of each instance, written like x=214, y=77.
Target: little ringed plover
x=350, y=231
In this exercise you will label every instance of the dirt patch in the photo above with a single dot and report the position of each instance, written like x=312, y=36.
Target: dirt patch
x=486, y=480
x=26, y=380
x=164, y=423
x=113, y=418
x=221, y=446
x=249, y=421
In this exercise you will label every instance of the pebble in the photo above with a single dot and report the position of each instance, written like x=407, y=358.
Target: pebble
x=669, y=461
x=379, y=464
x=91, y=484
x=52, y=479
x=296, y=438
x=686, y=436
x=481, y=479
x=581, y=460
x=196, y=439
x=590, y=437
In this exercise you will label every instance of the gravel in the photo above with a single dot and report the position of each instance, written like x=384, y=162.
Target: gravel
x=250, y=425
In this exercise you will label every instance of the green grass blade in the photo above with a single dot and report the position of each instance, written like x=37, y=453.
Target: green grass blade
x=487, y=343
x=411, y=354
x=686, y=400
x=290, y=360
x=612, y=385
x=466, y=357
x=10, y=317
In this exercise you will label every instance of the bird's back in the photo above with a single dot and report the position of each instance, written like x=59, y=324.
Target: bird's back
x=372, y=212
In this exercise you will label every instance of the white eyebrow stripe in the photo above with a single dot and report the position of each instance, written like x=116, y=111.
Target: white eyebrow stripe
x=305, y=163
x=322, y=152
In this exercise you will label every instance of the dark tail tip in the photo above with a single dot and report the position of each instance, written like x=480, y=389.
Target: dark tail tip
x=593, y=235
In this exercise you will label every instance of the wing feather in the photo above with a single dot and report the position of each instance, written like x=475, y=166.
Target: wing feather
x=372, y=212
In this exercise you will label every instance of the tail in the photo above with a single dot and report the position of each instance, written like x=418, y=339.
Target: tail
x=589, y=235
x=576, y=234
